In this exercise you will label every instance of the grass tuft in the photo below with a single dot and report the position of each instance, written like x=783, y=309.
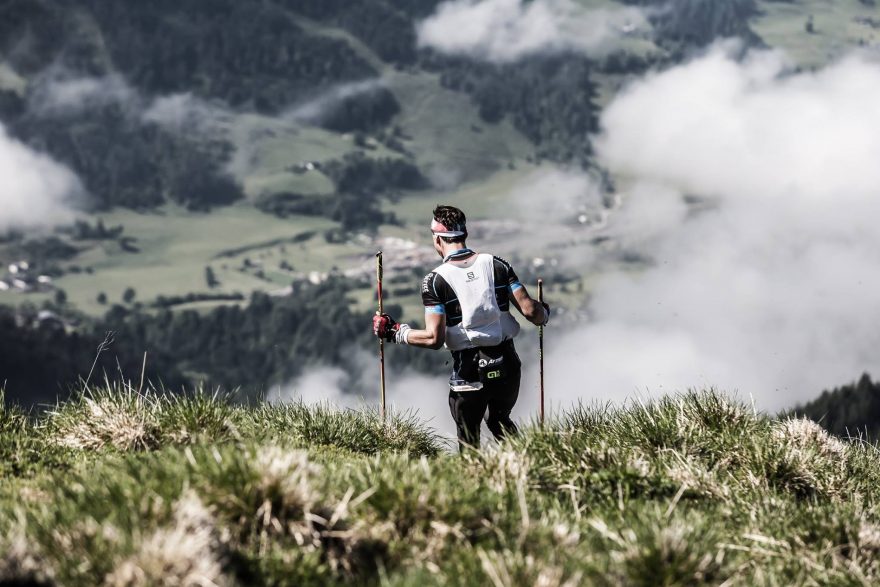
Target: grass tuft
x=187, y=552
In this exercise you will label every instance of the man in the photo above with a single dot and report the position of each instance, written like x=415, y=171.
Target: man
x=467, y=303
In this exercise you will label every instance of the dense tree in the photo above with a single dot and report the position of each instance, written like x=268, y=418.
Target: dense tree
x=360, y=182
x=688, y=23
x=40, y=362
x=849, y=410
x=266, y=342
x=153, y=163
x=550, y=99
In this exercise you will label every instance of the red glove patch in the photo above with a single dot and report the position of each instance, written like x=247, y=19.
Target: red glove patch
x=384, y=326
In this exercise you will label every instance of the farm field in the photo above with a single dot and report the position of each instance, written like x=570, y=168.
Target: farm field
x=839, y=27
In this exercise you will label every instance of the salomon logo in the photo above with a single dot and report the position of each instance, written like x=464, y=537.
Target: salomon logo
x=471, y=276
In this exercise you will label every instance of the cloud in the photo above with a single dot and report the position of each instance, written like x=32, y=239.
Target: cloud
x=770, y=288
x=36, y=190
x=503, y=31
x=58, y=93
x=317, y=109
x=565, y=197
x=426, y=396
x=184, y=113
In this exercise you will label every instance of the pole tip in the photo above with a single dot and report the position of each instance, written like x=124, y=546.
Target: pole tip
x=540, y=281
x=379, y=253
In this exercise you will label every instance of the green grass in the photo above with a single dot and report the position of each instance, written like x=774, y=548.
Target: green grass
x=449, y=139
x=269, y=147
x=176, y=246
x=10, y=80
x=695, y=489
x=782, y=26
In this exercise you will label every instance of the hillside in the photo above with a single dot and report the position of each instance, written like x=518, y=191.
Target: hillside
x=849, y=410
x=119, y=488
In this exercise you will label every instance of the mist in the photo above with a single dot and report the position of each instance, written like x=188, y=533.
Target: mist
x=410, y=392
x=58, y=92
x=186, y=113
x=503, y=31
x=769, y=288
x=318, y=108
x=36, y=190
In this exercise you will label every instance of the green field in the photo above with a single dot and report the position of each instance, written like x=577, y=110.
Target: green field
x=269, y=149
x=176, y=246
x=782, y=26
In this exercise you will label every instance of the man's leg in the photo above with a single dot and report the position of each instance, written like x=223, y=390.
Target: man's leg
x=502, y=398
x=467, y=409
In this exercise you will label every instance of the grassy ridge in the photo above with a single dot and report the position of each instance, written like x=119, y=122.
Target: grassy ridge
x=121, y=489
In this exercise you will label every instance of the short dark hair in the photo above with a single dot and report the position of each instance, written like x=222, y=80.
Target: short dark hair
x=453, y=219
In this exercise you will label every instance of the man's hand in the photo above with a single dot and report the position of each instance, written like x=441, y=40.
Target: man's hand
x=538, y=313
x=546, y=313
x=384, y=326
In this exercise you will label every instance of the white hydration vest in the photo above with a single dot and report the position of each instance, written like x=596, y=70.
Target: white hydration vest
x=483, y=323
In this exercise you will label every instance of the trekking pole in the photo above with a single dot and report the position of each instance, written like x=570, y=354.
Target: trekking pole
x=541, y=349
x=381, y=340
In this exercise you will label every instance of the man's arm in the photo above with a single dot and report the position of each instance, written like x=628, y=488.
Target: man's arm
x=530, y=308
x=434, y=334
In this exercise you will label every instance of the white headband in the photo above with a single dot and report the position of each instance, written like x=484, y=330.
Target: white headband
x=441, y=230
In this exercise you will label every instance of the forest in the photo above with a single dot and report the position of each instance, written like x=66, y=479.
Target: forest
x=245, y=350
x=851, y=410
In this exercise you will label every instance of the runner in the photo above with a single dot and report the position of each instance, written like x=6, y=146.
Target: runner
x=467, y=308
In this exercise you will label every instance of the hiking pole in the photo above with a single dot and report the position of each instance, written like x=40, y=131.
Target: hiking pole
x=541, y=348
x=381, y=340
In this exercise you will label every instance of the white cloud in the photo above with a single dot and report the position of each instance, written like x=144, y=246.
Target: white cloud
x=557, y=195
x=315, y=110
x=35, y=190
x=427, y=396
x=771, y=290
x=506, y=30
x=58, y=93
x=182, y=113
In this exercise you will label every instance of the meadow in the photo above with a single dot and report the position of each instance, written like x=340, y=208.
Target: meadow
x=836, y=29
x=121, y=487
